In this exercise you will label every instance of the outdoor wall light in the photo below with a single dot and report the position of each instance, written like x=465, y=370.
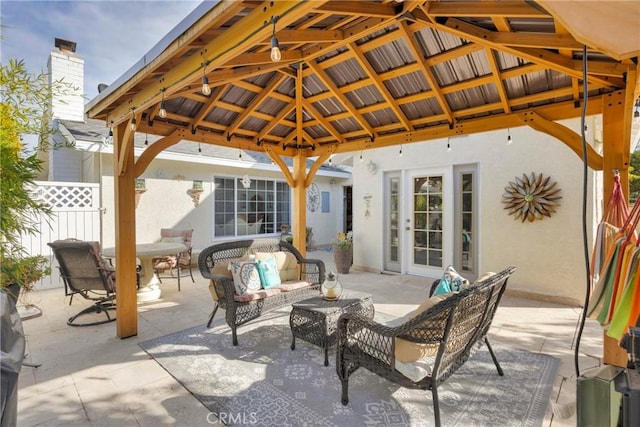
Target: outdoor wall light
x=276, y=55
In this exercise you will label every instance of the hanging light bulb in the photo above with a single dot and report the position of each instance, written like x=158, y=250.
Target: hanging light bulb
x=199, y=148
x=400, y=153
x=331, y=161
x=206, y=89
x=133, y=124
x=361, y=158
x=163, y=111
x=146, y=139
x=636, y=110
x=276, y=55
x=240, y=154
x=509, y=140
x=448, y=145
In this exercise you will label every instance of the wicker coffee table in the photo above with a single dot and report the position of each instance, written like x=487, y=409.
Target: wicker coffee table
x=315, y=319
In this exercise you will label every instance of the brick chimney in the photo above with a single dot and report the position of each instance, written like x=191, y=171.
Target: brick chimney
x=64, y=65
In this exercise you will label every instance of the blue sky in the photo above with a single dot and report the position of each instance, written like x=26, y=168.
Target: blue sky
x=111, y=36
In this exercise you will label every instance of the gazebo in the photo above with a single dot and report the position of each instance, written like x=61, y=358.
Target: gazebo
x=307, y=79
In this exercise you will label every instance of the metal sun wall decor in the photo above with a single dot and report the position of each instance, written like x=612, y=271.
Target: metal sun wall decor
x=531, y=197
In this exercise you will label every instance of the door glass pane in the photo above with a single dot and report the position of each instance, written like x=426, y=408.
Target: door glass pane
x=427, y=221
x=394, y=219
x=466, y=213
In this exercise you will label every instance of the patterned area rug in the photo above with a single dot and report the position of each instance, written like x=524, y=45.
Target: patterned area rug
x=262, y=382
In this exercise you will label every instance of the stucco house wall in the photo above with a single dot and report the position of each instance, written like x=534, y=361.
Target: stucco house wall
x=548, y=253
x=166, y=203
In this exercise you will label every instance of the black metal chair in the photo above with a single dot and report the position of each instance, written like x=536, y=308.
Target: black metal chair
x=85, y=272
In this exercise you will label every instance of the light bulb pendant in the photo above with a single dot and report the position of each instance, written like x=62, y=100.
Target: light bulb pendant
x=133, y=125
x=206, y=89
x=163, y=112
x=276, y=55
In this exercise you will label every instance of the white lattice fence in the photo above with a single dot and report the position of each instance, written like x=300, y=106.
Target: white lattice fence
x=76, y=213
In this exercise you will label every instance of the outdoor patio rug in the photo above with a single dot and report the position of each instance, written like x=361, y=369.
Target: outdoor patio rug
x=262, y=382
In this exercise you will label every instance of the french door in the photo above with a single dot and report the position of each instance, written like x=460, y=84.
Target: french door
x=430, y=221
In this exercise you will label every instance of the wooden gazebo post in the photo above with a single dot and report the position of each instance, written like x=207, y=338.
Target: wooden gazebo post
x=616, y=133
x=125, y=229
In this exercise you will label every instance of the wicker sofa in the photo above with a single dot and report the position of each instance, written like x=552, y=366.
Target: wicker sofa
x=444, y=335
x=301, y=279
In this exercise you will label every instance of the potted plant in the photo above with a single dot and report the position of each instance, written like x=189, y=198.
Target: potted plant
x=343, y=252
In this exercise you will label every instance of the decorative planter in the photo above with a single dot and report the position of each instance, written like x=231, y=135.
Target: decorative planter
x=195, y=195
x=343, y=258
x=139, y=193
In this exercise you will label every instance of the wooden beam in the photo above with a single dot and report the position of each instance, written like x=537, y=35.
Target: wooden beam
x=428, y=74
x=570, y=138
x=485, y=9
x=299, y=202
x=256, y=101
x=616, y=125
x=223, y=10
x=282, y=165
x=156, y=148
x=498, y=82
x=324, y=78
x=125, y=232
x=556, y=112
x=538, y=56
x=215, y=53
x=358, y=9
x=379, y=85
x=126, y=149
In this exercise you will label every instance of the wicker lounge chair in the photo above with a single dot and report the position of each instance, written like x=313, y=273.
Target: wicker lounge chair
x=446, y=333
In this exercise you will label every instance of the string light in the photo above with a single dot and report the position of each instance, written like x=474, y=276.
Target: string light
x=206, y=89
x=146, y=139
x=509, y=140
x=448, y=145
x=400, y=153
x=361, y=158
x=199, y=148
x=276, y=55
x=331, y=160
x=133, y=125
x=239, y=154
x=163, y=112
x=636, y=109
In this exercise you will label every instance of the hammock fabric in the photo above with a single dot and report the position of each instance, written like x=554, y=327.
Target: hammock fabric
x=615, y=300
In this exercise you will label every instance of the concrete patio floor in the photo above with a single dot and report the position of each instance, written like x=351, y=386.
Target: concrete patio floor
x=88, y=376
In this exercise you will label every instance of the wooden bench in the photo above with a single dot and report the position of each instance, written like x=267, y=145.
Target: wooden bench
x=213, y=262
x=445, y=335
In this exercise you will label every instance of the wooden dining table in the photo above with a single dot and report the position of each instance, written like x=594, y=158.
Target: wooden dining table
x=149, y=289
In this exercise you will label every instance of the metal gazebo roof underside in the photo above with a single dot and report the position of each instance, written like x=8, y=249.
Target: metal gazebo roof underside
x=366, y=74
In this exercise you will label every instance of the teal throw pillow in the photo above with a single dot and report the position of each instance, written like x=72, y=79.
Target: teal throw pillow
x=268, y=271
x=451, y=282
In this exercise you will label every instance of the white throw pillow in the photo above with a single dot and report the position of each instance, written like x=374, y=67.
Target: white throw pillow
x=245, y=276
